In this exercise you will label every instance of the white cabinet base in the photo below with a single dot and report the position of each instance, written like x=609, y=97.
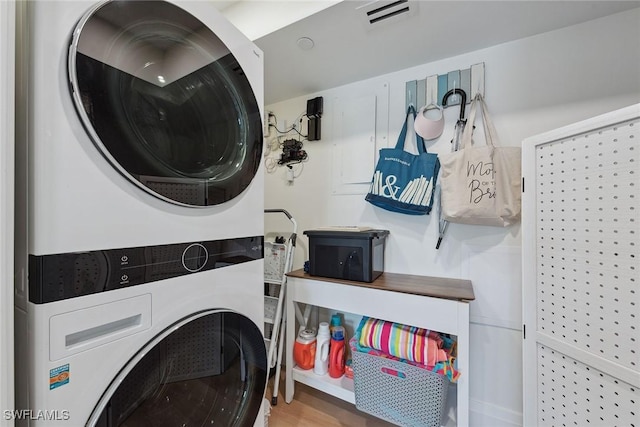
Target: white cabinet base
x=437, y=304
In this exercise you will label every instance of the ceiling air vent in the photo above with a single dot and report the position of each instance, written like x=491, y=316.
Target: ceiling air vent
x=383, y=11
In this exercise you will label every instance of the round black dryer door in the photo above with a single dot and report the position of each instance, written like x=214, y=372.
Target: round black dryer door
x=165, y=101
x=207, y=370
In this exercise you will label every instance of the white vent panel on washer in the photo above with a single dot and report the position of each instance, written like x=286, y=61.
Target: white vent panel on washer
x=581, y=273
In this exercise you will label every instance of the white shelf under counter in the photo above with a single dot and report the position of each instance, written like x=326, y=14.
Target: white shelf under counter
x=438, y=304
x=341, y=388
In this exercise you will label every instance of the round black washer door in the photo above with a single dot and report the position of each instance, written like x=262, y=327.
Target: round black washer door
x=208, y=369
x=165, y=101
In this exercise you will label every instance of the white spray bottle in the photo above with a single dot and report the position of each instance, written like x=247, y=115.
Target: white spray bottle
x=321, y=366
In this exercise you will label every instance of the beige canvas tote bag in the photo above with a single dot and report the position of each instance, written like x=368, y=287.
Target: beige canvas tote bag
x=480, y=183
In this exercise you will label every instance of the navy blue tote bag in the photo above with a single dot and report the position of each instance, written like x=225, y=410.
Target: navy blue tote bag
x=404, y=182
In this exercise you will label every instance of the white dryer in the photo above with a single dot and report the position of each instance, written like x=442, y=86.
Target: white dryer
x=139, y=296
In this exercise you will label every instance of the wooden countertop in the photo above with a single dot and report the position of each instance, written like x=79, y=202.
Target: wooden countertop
x=438, y=287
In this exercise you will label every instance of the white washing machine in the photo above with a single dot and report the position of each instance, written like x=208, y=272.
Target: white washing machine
x=139, y=298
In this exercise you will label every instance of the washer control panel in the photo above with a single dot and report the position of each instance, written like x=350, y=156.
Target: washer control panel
x=62, y=276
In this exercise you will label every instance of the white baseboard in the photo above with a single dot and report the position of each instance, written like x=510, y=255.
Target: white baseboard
x=484, y=414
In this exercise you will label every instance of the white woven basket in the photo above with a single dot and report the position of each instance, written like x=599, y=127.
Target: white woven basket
x=398, y=392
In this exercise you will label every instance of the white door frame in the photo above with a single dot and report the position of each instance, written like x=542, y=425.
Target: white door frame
x=7, y=164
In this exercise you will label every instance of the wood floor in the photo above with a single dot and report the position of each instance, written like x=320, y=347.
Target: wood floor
x=312, y=408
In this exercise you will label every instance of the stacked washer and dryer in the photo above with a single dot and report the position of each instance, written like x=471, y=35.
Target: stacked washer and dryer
x=139, y=295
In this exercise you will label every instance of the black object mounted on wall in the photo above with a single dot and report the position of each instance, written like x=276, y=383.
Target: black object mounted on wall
x=292, y=152
x=314, y=113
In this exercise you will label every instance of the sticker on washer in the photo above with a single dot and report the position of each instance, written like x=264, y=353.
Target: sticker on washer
x=58, y=376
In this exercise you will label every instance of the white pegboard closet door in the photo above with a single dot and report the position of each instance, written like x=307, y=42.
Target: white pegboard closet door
x=581, y=273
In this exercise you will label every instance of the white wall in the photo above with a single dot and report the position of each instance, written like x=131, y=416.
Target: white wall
x=7, y=61
x=532, y=85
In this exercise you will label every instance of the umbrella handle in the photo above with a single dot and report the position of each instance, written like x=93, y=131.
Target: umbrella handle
x=462, y=94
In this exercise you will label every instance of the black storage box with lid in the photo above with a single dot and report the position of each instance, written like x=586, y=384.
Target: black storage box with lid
x=349, y=255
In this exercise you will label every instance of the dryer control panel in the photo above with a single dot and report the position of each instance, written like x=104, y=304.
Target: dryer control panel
x=62, y=276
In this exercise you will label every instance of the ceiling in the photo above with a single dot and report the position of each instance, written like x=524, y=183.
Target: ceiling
x=256, y=18
x=348, y=49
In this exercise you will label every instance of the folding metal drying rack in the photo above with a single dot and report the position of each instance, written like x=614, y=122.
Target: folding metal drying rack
x=278, y=260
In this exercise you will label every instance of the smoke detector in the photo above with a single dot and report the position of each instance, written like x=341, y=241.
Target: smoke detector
x=384, y=12
x=305, y=43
